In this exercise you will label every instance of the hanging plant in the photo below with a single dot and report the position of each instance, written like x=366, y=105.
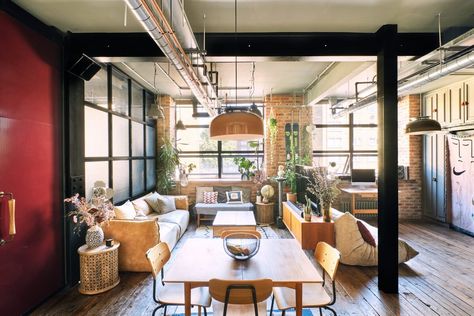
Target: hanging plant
x=273, y=132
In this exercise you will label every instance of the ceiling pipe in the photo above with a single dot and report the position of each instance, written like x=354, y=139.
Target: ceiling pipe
x=155, y=23
x=404, y=88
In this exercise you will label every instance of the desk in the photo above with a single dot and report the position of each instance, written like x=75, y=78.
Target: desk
x=369, y=192
x=281, y=260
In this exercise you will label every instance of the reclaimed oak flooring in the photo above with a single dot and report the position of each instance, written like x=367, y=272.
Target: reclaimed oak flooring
x=439, y=281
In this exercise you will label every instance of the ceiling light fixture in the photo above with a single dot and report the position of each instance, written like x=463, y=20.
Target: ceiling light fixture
x=237, y=123
x=422, y=125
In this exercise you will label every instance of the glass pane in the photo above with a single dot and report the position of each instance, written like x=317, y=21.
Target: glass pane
x=121, y=180
x=367, y=115
x=137, y=102
x=365, y=138
x=206, y=166
x=96, y=133
x=95, y=90
x=138, y=177
x=238, y=145
x=185, y=113
x=120, y=136
x=150, y=141
x=229, y=168
x=137, y=139
x=322, y=115
x=341, y=161
x=195, y=139
x=95, y=171
x=149, y=100
x=119, y=94
x=331, y=138
x=365, y=162
x=150, y=174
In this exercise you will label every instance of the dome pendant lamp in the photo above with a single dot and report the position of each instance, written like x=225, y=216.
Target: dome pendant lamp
x=238, y=123
x=422, y=125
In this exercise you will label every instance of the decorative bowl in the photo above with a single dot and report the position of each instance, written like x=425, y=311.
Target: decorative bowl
x=241, y=245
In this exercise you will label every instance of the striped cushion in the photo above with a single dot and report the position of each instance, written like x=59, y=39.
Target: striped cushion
x=209, y=197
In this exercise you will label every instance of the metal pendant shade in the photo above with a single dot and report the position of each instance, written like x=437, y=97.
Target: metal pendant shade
x=180, y=125
x=423, y=125
x=236, y=126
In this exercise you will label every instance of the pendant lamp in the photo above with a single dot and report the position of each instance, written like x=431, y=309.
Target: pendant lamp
x=180, y=125
x=422, y=125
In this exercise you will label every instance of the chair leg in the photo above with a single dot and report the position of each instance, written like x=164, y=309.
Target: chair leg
x=199, y=310
x=164, y=312
x=271, y=306
x=198, y=220
x=283, y=312
x=332, y=310
x=205, y=311
x=320, y=312
x=156, y=309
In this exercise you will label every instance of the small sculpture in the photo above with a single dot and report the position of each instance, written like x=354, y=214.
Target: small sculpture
x=281, y=171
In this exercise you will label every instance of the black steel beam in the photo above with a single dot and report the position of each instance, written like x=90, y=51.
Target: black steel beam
x=255, y=44
x=387, y=101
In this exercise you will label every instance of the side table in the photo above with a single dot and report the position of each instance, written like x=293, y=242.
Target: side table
x=265, y=214
x=99, y=268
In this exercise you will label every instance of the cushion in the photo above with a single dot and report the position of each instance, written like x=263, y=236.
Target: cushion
x=152, y=200
x=181, y=218
x=365, y=233
x=221, y=193
x=212, y=209
x=234, y=197
x=142, y=207
x=200, y=191
x=210, y=197
x=166, y=204
x=125, y=211
x=355, y=250
x=246, y=193
x=169, y=233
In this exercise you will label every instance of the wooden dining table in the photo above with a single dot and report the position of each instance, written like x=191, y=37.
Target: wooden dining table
x=281, y=260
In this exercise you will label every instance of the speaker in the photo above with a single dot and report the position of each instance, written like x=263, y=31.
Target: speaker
x=84, y=68
x=403, y=173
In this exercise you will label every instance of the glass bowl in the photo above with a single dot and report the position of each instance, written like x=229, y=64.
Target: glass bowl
x=241, y=245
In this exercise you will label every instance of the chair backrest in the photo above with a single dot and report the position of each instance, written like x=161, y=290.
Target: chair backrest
x=158, y=256
x=328, y=257
x=240, y=291
x=241, y=234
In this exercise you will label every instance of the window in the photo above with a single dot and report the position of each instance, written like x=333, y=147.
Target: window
x=349, y=141
x=213, y=159
x=119, y=143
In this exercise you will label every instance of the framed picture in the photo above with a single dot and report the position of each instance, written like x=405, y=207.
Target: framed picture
x=234, y=196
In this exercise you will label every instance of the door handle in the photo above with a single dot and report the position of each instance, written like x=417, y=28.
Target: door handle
x=435, y=180
x=11, y=213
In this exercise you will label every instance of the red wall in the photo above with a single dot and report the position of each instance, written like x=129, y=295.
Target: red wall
x=31, y=266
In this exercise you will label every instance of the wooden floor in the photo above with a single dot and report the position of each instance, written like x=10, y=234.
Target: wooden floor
x=439, y=281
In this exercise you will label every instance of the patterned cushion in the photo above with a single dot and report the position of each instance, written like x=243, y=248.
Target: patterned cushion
x=246, y=193
x=221, y=196
x=234, y=197
x=200, y=191
x=210, y=197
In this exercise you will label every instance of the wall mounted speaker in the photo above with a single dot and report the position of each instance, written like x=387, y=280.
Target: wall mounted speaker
x=84, y=68
x=403, y=173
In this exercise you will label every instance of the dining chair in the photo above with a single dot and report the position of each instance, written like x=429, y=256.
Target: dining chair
x=172, y=293
x=314, y=294
x=242, y=233
x=240, y=297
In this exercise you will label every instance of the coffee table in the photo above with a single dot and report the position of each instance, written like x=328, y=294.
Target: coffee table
x=229, y=220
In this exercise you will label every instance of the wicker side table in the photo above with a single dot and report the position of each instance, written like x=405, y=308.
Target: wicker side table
x=265, y=214
x=99, y=268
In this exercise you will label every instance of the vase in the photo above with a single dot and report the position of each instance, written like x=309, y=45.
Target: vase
x=327, y=212
x=94, y=236
x=307, y=217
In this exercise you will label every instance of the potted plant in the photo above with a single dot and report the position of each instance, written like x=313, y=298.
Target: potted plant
x=246, y=167
x=168, y=161
x=273, y=132
x=307, y=209
x=324, y=187
x=290, y=175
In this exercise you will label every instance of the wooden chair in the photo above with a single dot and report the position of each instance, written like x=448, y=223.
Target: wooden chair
x=244, y=233
x=240, y=297
x=171, y=293
x=314, y=295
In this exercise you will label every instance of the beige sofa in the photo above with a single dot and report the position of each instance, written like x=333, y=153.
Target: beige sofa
x=138, y=235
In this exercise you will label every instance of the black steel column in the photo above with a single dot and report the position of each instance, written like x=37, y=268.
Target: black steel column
x=387, y=99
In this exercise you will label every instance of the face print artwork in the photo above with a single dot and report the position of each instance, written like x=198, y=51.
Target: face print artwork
x=461, y=158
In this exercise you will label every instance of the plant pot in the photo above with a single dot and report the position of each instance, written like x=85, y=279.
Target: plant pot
x=307, y=217
x=94, y=236
x=291, y=197
x=244, y=177
x=327, y=212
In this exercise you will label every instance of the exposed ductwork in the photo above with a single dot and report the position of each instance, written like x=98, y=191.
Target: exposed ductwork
x=175, y=38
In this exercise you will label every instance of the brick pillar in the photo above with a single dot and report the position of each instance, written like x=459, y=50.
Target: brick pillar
x=286, y=109
x=410, y=153
x=166, y=125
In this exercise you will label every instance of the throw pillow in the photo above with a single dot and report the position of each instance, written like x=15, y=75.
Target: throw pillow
x=142, y=206
x=365, y=233
x=152, y=200
x=246, y=193
x=125, y=211
x=234, y=197
x=221, y=193
x=200, y=191
x=166, y=204
x=210, y=197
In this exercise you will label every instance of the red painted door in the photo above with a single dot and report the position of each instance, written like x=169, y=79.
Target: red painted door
x=31, y=265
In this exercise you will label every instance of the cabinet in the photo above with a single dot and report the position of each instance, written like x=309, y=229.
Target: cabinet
x=460, y=102
x=469, y=100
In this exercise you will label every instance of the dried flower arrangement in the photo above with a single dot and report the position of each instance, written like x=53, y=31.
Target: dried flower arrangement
x=324, y=187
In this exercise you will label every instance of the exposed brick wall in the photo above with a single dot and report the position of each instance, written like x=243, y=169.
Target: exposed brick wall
x=286, y=109
x=409, y=154
x=166, y=125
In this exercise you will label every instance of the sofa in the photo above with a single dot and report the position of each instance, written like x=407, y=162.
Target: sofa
x=206, y=211
x=140, y=233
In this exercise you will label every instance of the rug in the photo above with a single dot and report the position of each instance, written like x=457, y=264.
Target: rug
x=205, y=231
